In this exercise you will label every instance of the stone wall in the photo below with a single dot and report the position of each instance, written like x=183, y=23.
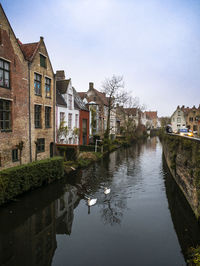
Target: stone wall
x=183, y=159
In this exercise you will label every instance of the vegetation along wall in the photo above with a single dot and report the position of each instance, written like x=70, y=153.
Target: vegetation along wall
x=183, y=159
x=17, y=180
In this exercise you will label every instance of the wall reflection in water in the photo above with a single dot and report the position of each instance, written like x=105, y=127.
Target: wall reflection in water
x=28, y=228
x=185, y=223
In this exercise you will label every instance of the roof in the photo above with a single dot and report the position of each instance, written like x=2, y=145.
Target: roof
x=29, y=49
x=151, y=114
x=78, y=103
x=82, y=95
x=102, y=96
x=62, y=85
x=60, y=100
x=131, y=111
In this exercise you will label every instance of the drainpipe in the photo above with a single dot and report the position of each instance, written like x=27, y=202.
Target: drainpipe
x=54, y=115
x=29, y=108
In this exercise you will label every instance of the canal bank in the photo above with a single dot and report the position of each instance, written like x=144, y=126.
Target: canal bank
x=136, y=224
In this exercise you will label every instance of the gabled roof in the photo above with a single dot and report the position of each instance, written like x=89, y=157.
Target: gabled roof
x=131, y=111
x=29, y=49
x=102, y=96
x=151, y=114
x=78, y=103
x=82, y=95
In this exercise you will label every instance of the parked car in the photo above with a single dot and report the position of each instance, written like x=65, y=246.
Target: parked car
x=186, y=132
x=190, y=133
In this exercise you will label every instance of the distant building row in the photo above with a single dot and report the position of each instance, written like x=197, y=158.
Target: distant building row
x=185, y=117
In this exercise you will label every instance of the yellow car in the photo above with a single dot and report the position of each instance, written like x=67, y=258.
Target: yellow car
x=190, y=134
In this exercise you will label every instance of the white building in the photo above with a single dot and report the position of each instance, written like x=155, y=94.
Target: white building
x=178, y=119
x=67, y=116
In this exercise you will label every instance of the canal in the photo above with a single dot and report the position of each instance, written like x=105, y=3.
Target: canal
x=145, y=219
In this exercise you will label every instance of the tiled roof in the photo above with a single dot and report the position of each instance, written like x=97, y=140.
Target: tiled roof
x=59, y=99
x=102, y=96
x=29, y=49
x=82, y=95
x=151, y=114
x=78, y=103
x=62, y=85
x=131, y=111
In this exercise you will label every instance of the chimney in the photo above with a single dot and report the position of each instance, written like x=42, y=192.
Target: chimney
x=91, y=85
x=41, y=38
x=183, y=106
x=60, y=75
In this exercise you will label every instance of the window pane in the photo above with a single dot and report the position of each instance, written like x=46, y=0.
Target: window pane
x=1, y=77
x=6, y=65
x=1, y=63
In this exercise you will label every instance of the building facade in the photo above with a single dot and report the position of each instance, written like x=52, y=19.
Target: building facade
x=14, y=95
x=67, y=115
x=178, y=118
x=41, y=101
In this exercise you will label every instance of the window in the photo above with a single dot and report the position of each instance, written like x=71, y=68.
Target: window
x=5, y=115
x=69, y=121
x=191, y=119
x=15, y=155
x=76, y=121
x=178, y=120
x=4, y=74
x=70, y=101
x=62, y=117
x=37, y=116
x=194, y=127
x=179, y=113
x=43, y=61
x=48, y=87
x=37, y=84
x=47, y=116
x=40, y=145
x=94, y=98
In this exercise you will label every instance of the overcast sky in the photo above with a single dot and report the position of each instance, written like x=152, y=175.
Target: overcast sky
x=154, y=44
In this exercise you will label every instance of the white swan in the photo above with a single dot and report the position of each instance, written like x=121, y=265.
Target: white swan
x=91, y=202
x=106, y=190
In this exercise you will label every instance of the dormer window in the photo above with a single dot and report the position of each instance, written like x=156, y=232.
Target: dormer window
x=43, y=61
x=4, y=74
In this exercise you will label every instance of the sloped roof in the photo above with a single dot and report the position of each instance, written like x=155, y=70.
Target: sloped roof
x=60, y=100
x=151, y=114
x=131, y=111
x=62, y=85
x=29, y=49
x=102, y=96
x=78, y=103
x=82, y=95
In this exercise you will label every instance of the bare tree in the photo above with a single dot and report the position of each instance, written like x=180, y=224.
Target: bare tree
x=114, y=89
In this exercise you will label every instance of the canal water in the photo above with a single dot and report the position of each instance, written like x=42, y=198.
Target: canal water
x=145, y=219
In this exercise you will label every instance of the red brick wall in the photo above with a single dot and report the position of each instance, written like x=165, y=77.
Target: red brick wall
x=17, y=94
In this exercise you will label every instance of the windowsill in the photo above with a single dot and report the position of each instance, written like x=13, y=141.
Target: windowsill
x=6, y=130
x=48, y=127
x=5, y=87
x=38, y=127
x=40, y=151
x=48, y=97
x=38, y=95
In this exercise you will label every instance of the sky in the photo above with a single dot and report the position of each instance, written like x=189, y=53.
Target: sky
x=153, y=44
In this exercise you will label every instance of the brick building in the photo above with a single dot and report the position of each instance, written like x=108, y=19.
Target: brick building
x=98, y=106
x=42, y=100
x=14, y=113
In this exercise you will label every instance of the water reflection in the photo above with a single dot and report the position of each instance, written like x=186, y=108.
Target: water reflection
x=28, y=228
x=36, y=229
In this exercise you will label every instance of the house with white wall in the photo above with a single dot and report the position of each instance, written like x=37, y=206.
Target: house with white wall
x=67, y=116
x=178, y=118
